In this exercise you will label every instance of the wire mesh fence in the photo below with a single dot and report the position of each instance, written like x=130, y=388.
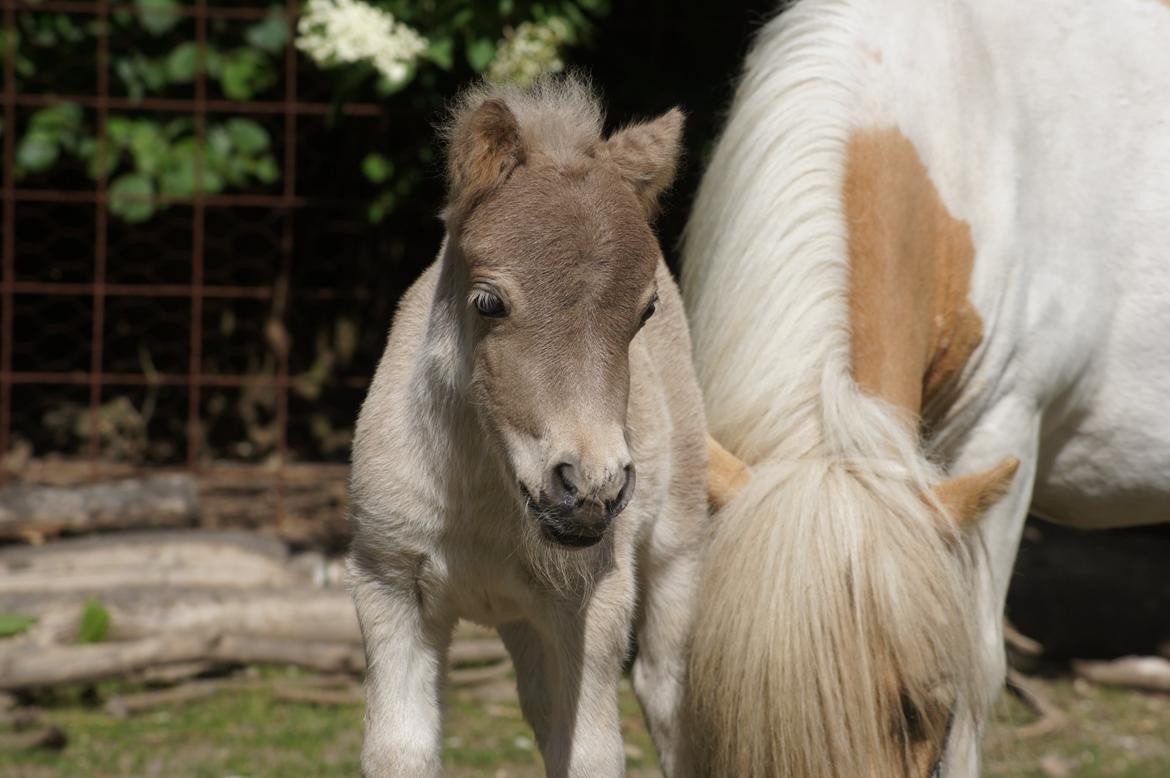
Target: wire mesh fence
x=227, y=328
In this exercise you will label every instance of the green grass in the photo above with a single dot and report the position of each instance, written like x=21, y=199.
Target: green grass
x=251, y=734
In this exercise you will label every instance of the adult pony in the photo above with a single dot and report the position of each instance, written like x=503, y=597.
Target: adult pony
x=928, y=276
x=539, y=363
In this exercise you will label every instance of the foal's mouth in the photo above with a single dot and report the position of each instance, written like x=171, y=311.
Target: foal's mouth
x=553, y=523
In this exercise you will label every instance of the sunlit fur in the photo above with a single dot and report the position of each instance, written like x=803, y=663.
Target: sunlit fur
x=831, y=602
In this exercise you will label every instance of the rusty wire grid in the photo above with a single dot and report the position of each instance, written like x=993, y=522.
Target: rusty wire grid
x=202, y=324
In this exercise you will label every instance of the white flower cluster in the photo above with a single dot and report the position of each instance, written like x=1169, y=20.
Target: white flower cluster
x=335, y=32
x=530, y=50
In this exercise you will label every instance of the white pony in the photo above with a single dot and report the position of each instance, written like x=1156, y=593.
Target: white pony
x=932, y=243
x=539, y=363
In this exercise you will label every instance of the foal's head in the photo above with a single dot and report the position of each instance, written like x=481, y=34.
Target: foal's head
x=550, y=223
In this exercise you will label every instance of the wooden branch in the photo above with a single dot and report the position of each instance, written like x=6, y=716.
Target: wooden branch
x=1051, y=718
x=317, y=695
x=474, y=676
x=123, y=705
x=51, y=738
x=34, y=512
x=1148, y=673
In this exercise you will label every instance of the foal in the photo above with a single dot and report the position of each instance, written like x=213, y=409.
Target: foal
x=539, y=365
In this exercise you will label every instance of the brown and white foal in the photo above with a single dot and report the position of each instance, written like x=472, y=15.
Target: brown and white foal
x=537, y=370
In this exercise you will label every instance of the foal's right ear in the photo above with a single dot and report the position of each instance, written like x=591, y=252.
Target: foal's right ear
x=485, y=147
x=646, y=155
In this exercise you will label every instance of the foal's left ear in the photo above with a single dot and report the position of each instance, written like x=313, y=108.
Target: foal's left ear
x=647, y=153
x=484, y=148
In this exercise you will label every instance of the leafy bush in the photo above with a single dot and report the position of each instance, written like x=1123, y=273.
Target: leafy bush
x=407, y=53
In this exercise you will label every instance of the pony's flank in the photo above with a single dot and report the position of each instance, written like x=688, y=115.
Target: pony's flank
x=832, y=631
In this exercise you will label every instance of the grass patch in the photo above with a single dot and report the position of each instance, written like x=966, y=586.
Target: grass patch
x=250, y=733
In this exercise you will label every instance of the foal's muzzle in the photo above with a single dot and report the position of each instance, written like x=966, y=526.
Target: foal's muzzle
x=569, y=517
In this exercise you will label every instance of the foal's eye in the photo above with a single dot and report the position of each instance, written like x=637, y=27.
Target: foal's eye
x=489, y=304
x=650, y=309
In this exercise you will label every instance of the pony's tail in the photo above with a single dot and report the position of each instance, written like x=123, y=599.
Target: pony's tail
x=832, y=635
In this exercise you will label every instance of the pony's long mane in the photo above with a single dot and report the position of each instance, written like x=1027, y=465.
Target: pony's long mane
x=832, y=616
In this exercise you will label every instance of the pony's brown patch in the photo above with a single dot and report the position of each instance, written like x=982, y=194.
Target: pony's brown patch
x=912, y=325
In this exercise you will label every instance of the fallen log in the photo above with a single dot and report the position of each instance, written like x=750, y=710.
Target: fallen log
x=1148, y=673
x=148, y=560
x=36, y=512
x=473, y=651
x=322, y=657
x=26, y=667
x=294, y=613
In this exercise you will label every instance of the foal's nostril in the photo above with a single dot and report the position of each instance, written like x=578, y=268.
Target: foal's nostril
x=563, y=485
x=618, y=504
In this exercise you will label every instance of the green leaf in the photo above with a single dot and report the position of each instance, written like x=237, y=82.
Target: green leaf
x=87, y=150
x=95, y=621
x=377, y=168
x=118, y=129
x=60, y=118
x=245, y=73
x=266, y=171
x=480, y=52
x=442, y=52
x=247, y=136
x=219, y=145
x=14, y=623
x=132, y=198
x=37, y=152
x=182, y=64
x=270, y=34
x=158, y=17
x=178, y=176
x=148, y=146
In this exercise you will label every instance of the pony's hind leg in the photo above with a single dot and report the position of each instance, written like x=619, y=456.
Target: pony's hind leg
x=405, y=661
x=659, y=674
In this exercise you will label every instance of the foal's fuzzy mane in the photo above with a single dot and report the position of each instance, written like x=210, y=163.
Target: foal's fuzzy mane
x=559, y=116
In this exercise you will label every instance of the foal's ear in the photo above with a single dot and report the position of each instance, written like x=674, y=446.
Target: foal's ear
x=484, y=148
x=647, y=153
x=968, y=497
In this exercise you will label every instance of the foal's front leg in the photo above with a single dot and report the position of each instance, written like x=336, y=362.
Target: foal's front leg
x=581, y=670
x=405, y=661
x=669, y=576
